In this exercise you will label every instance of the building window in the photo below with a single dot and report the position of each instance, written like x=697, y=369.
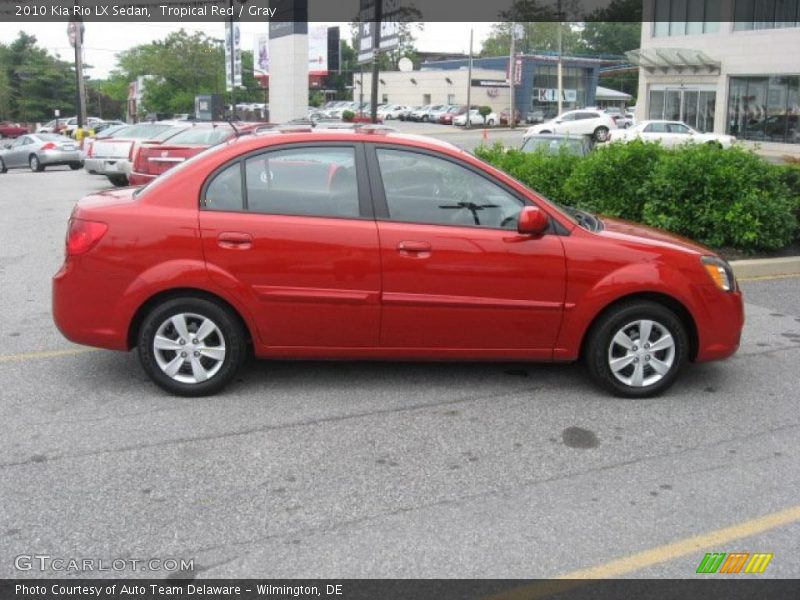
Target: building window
x=426, y=99
x=385, y=98
x=765, y=108
x=686, y=17
x=766, y=14
x=694, y=107
x=451, y=98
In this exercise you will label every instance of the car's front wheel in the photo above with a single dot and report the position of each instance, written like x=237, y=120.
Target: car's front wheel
x=637, y=349
x=191, y=346
x=75, y=166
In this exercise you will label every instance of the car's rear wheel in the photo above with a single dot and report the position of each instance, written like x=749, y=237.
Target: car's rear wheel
x=75, y=166
x=637, y=349
x=118, y=180
x=490, y=122
x=601, y=134
x=546, y=131
x=191, y=346
x=35, y=164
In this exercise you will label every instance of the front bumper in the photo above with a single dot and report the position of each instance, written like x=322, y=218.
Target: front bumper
x=719, y=326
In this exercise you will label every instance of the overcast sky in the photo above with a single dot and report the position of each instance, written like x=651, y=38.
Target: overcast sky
x=103, y=40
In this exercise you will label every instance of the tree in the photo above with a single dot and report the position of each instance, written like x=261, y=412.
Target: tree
x=178, y=68
x=610, y=37
x=539, y=36
x=33, y=83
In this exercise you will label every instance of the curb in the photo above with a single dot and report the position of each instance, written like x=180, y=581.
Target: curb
x=766, y=267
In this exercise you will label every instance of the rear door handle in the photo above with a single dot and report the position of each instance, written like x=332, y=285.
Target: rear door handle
x=234, y=240
x=415, y=249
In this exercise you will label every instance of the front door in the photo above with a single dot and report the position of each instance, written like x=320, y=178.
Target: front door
x=291, y=229
x=456, y=274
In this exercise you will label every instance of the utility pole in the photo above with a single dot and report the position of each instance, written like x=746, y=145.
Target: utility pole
x=512, y=68
x=233, y=73
x=560, y=67
x=376, y=47
x=469, y=82
x=75, y=33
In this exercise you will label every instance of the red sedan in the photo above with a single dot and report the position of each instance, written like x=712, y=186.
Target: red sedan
x=150, y=160
x=368, y=244
x=12, y=130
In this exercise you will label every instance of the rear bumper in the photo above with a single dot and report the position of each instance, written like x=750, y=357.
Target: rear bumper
x=140, y=178
x=79, y=314
x=59, y=157
x=107, y=166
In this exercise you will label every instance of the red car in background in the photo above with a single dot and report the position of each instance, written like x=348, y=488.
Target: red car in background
x=365, y=244
x=504, y=120
x=12, y=130
x=151, y=160
x=446, y=118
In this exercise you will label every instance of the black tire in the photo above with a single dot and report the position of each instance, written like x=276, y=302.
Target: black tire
x=75, y=166
x=600, y=134
x=226, y=321
x=490, y=122
x=545, y=132
x=35, y=164
x=598, y=349
x=3, y=168
x=118, y=180
x=424, y=118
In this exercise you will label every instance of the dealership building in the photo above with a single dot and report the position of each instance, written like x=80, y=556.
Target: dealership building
x=535, y=89
x=722, y=66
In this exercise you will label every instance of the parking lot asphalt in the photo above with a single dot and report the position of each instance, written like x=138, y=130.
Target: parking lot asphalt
x=357, y=469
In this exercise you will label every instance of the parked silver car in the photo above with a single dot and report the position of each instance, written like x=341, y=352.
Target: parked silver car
x=40, y=150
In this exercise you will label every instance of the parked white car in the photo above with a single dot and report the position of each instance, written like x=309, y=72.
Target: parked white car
x=670, y=134
x=393, y=111
x=596, y=123
x=475, y=118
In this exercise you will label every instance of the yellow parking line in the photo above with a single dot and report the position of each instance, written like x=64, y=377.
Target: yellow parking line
x=769, y=277
x=48, y=354
x=715, y=539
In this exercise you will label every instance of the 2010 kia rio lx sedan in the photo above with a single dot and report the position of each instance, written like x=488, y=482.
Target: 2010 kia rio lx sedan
x=366, y=244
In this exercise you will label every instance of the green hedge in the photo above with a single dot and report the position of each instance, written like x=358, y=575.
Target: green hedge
x=721, y=198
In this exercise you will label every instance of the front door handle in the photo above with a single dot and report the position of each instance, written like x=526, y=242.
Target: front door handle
x=414, y=249
x=235, y=240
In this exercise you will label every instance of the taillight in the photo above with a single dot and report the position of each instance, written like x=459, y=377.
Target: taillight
x=48, y=146
x=138, y=161
x=82, y=235
x=90, y=148
x=130, y=152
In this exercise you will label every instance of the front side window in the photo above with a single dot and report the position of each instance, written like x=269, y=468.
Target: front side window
x=420, y=188
x=318, y=182
x=678, y=128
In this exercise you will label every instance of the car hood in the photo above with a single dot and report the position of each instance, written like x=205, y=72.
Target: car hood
x=627, y=230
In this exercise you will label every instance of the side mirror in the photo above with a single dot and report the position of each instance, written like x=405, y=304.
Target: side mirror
x=532, y=221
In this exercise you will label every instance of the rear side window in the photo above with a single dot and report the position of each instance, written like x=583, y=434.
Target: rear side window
x=656, y=128
x=224, y=192
x=318, y=182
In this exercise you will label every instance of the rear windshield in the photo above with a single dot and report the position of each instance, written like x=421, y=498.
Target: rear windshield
x=114, y=130
x=144, y=131
x=202, y=136
x=52, y=137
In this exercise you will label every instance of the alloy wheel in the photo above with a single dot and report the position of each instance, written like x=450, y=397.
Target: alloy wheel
x=189, y=348
x=641, y=353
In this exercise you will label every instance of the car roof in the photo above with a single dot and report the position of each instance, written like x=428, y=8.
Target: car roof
x=278, y=135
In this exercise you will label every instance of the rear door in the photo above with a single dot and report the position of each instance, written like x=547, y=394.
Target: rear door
x=291, y=230
x=457, y=277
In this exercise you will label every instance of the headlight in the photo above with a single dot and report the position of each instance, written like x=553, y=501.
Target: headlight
x=720, y=272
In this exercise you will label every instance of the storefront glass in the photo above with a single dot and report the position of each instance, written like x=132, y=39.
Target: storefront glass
x=765, y=108
x=544, y=96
